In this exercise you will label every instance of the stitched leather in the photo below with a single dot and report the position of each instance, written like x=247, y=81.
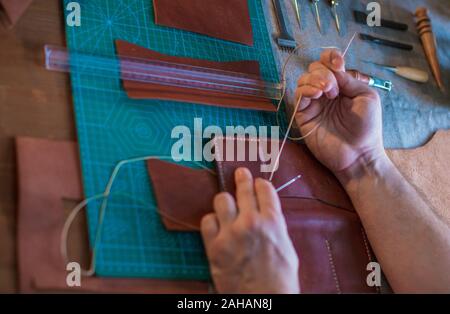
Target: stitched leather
x=326, y=232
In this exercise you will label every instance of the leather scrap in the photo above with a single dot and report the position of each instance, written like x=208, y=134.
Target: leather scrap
x=139, y=90
x=223, y=19
x=14, y=9
x=171, y=190
x=48, y=172
x=427, y=168
x=326, y=231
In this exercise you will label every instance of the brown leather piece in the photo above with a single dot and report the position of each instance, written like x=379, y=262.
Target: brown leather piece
x=168, y=183
x=139, y=90
x=14, y=9
x=427, y=168
x=331, y=245
x=326, y=232
x=317, y=182
x=183, y=195
x=48, y=172
x=223, y=19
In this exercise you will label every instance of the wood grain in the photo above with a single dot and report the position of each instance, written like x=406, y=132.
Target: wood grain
x=33, y=102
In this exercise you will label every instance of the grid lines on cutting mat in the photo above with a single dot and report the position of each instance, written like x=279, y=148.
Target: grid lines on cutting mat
x=111, y=127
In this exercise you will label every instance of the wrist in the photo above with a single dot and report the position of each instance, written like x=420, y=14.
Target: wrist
x=368, y=166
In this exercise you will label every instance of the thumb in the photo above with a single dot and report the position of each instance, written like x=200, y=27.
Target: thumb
x=333, y=60
x=351, y=87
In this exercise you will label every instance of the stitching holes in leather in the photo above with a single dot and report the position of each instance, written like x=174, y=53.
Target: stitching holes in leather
x=366, y=245
x=333, y=268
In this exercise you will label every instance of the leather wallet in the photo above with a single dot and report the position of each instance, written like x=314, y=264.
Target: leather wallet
x=223, y=19
x=326, y=231
x=139, y=90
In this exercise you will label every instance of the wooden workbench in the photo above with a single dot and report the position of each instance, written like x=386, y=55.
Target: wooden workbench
x=33, y=102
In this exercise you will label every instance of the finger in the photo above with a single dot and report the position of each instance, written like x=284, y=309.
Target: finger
x=225, y=208
x=305, y=117
x=333, y=59
x=312, y=67
x=267, y=197
x=245, y=193
x=316, y=79
x=351, y=87
x=322, y=78
x=317, y=65
x=209, y=228
x=307, y=92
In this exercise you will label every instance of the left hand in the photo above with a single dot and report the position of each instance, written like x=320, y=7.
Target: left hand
x=247, y=242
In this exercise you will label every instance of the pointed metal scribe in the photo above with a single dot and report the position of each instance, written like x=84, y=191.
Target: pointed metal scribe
x=334, y=6
x=289, y=183
x=297, y=7
x=316, y=9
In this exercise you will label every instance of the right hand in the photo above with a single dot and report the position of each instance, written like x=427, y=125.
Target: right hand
x=343, y=114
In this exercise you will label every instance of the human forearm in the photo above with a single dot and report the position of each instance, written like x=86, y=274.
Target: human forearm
x=411, y=243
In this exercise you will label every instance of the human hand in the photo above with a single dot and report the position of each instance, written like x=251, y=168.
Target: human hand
x=342, y=115
x=247, y=243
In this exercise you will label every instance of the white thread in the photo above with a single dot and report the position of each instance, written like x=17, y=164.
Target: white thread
x=366, y=245
x=277, y=160
x=242, y=139
x=348, y=45
x=105, y=196
x=286, y=136
x=333, y=268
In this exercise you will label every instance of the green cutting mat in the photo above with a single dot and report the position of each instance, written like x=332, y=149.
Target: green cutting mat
x=112, y=127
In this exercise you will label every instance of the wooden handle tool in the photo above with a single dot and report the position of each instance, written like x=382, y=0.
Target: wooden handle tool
x=423, y=24
x=409, y=73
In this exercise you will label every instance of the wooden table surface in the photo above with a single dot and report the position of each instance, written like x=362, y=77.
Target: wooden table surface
x=33, y=102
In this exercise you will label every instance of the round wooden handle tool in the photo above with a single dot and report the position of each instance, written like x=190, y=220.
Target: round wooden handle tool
x=429, y=43
x=412, y=74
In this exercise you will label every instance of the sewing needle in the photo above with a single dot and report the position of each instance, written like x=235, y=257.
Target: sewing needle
x=316, y=9
x=290, y=182
x=277, y=160
x=297, y=7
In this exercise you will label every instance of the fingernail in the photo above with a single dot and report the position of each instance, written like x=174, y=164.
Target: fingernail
x=259, y=181
x=241, y=174
x=335, y=61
